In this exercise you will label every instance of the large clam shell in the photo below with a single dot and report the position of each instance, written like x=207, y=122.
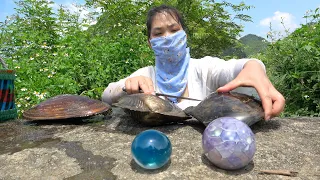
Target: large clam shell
x=240, y=106
x=66, y=106
x=150, y=109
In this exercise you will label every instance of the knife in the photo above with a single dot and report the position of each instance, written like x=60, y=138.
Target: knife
x=166, y=95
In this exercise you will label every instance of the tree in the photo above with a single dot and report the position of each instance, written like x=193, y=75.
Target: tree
x=53, y=53
x=210, y=27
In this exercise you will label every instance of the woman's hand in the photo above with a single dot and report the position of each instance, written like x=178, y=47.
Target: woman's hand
x=254, y=75
x=134, y=84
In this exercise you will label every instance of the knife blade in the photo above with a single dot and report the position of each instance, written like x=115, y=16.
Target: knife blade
x=167, y=95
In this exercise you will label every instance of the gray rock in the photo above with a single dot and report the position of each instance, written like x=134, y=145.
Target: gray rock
x=99, y=148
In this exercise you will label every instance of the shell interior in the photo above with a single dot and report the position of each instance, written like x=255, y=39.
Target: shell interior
x=150, y=104
x=150, y=109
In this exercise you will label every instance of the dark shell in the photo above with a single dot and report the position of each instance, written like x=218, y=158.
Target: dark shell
x=240, y=106
x=150, y=109
x=66, y=106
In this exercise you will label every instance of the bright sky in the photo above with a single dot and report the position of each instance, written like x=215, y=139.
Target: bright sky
x=265, y=11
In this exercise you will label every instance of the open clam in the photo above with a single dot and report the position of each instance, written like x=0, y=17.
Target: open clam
x=240, y=106
x=150, y=109
x=66, y=106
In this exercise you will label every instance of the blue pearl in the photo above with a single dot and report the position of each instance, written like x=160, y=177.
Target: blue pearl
x=151, y=149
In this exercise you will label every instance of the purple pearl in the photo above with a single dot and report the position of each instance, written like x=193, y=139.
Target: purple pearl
x=228, y=143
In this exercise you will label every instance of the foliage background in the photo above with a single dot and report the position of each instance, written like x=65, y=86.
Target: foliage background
x=294, y=67
x=60, y=51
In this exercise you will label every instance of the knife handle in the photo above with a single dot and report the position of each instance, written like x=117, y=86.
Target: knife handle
x=124, y=90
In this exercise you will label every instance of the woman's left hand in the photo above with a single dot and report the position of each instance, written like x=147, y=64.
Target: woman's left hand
x=254, y=75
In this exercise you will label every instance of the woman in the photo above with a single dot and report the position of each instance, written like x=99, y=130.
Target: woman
x=176, y=73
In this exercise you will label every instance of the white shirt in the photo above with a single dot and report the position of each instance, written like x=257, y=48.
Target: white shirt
x=205, y=76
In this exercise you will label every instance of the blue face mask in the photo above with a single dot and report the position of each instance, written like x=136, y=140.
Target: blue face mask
x=172, y=61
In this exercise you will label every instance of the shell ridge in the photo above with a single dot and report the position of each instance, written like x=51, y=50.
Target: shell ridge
x=66, y=106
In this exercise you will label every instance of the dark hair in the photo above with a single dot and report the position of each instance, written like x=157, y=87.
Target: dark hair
x=161, y=9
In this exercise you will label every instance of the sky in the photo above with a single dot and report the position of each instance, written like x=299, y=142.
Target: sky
x=264, y=12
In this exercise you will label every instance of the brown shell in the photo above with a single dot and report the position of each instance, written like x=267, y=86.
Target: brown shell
x=245, y=108
x=150, y=109
x=66, y=106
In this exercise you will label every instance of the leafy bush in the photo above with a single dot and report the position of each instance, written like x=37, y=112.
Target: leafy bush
x=294, y=66
x=53, y=54
x=60, y=52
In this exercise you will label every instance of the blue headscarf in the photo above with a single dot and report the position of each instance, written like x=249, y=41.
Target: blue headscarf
x=172, y=61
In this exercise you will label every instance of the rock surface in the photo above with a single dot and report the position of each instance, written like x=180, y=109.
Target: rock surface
x=99, y=148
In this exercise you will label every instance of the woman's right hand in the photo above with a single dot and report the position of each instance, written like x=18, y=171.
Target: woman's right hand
x=134, y=84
